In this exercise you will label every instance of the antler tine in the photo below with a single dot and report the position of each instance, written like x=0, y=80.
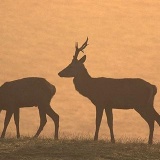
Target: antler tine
x=76, y=51
x=81, y=48
x=76, y=45
x=84, y=45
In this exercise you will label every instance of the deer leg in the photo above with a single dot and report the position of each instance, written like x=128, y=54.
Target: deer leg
x=43, y=121
x=147, y=115
x=99, y=112
x=151, y=130
x=55, y=117
x=109, y=115
x=6, y=122
x=16, y=120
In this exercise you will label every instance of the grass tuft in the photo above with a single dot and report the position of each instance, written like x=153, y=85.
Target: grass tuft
x=77, y=147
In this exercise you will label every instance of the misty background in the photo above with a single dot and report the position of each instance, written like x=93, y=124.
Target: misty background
x=37, y=38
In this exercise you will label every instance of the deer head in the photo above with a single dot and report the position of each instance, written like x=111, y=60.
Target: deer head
x=76, y=65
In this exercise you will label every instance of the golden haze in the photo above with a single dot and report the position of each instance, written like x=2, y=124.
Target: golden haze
x=38, y=38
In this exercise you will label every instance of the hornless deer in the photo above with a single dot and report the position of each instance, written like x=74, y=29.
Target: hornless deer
x=28, y=92
x=108, y=94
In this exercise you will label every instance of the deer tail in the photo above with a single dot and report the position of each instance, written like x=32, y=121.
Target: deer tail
x=156, y=115
x=51, y=88
x=154, y=89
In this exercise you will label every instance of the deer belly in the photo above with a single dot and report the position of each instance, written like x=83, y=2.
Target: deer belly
x=127, y=102
x=25, y=100
x=120, y=101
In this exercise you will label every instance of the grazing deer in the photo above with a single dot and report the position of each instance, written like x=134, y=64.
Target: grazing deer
x=108, y=94
x=28, y=92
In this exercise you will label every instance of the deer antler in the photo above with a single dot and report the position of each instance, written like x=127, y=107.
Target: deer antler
x=80, y=49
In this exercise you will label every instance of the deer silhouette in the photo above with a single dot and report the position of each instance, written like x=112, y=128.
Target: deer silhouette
x=108, y=93
x=28, y=92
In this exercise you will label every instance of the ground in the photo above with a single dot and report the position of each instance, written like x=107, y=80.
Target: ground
x=77, y=148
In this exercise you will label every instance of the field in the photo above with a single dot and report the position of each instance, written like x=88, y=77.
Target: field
x=77, y=148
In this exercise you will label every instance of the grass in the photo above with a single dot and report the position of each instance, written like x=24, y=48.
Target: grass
x=77, y=148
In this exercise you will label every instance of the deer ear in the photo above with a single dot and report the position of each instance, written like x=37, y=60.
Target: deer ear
x=83, y=59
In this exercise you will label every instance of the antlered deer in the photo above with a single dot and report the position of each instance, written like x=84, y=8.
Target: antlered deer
x=28, y=92
x=108, y=94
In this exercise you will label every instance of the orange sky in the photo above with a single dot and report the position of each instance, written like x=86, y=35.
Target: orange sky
x=38, y=38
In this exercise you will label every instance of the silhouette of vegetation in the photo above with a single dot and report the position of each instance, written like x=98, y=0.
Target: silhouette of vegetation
x=76, y=149
x=28, y=92
x=108, y=93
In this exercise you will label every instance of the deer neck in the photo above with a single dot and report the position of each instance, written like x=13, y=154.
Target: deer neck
x=82, y=81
